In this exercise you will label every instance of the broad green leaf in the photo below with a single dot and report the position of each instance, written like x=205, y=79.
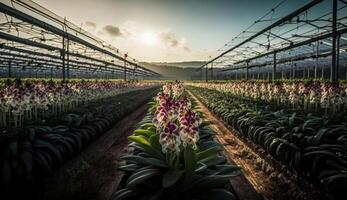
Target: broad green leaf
x=129, y=167
x=123, y=194
x=156, y=162
x=154, y=140
x=141, y=176
x=171, y=177
x=143, y=132
x=212, y=151
x=190, y=162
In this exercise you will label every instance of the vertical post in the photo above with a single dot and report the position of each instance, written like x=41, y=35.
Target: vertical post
x=125, y=67
x=247, y=70
x=51, y=73
x=206, y=73
x=63, y=58
x=338, y=57
x=304, y=72
x=211, y=70
x=258, y=73
x=202, y=76
x=68, y=59
x=9, y=69
x=308, y=71
x=316, y=65
x=274, y=67
x=333, y=69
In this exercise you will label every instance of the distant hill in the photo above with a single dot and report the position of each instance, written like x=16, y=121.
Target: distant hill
x=186, y=64
x=176, y=70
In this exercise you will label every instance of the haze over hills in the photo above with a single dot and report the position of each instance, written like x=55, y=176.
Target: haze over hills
x=175, y=70
x=186, y=64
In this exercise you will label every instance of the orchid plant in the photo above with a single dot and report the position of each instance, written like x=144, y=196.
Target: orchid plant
x=307, y=96
x=20, y=102
x=175, y=155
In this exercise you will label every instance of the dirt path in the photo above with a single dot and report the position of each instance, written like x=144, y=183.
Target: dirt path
x=257, y=171
x=240, y=184
x=93, y=174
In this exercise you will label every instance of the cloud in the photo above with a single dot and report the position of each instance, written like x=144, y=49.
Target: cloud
x=90, y=24
x=111, y=30
x=171, y=40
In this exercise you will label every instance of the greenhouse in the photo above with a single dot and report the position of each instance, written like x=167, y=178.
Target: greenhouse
x=173, y=100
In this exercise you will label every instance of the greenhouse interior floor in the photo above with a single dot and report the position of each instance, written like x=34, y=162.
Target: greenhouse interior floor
x=93, y=174
x=263, y=177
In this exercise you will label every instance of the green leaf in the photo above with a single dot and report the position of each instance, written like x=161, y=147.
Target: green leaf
x=141, y=176
x=129, y=167
x=190, y=162
x=144, y=132
x=211, y=181
x=123, y=194
x=135, y=159
x=214, y=160
x=156, y=162
x=145, y=144
x=228, y=169
x=147, y=125
x=212, y=151
x=154, y=140
x=171, y=177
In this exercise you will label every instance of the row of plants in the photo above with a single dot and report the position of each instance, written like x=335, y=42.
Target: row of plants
x=308, y=96
x=309, y=145
x=28, y=100
x=32, y=153
x=174, y=154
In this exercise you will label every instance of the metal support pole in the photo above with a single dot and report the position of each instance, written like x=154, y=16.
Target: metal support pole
x=211, y=70
x=274, y=67
x=247, y=70
x=258, y=73
x=202, y=75
x=9, y=69
x=63, y=59
x=68, y=59
x=125, y=67
x=51, y=73
x=338, y=57
x=308, y=71
x=206, y=73
x=333, y=69
x=304, y=72
x=317, y=61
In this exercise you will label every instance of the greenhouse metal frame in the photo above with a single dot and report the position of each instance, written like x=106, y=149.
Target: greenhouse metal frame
x=36, y=42
x=301, y=36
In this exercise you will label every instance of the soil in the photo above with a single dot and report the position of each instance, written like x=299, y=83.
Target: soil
x=93, y=174
x=268, y=177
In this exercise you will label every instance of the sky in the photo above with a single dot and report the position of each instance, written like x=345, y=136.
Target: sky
x=167, y=30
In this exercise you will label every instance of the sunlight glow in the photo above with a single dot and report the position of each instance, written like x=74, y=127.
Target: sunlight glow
x=149, y=38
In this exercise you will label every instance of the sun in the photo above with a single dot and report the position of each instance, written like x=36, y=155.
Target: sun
x=149, y=38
